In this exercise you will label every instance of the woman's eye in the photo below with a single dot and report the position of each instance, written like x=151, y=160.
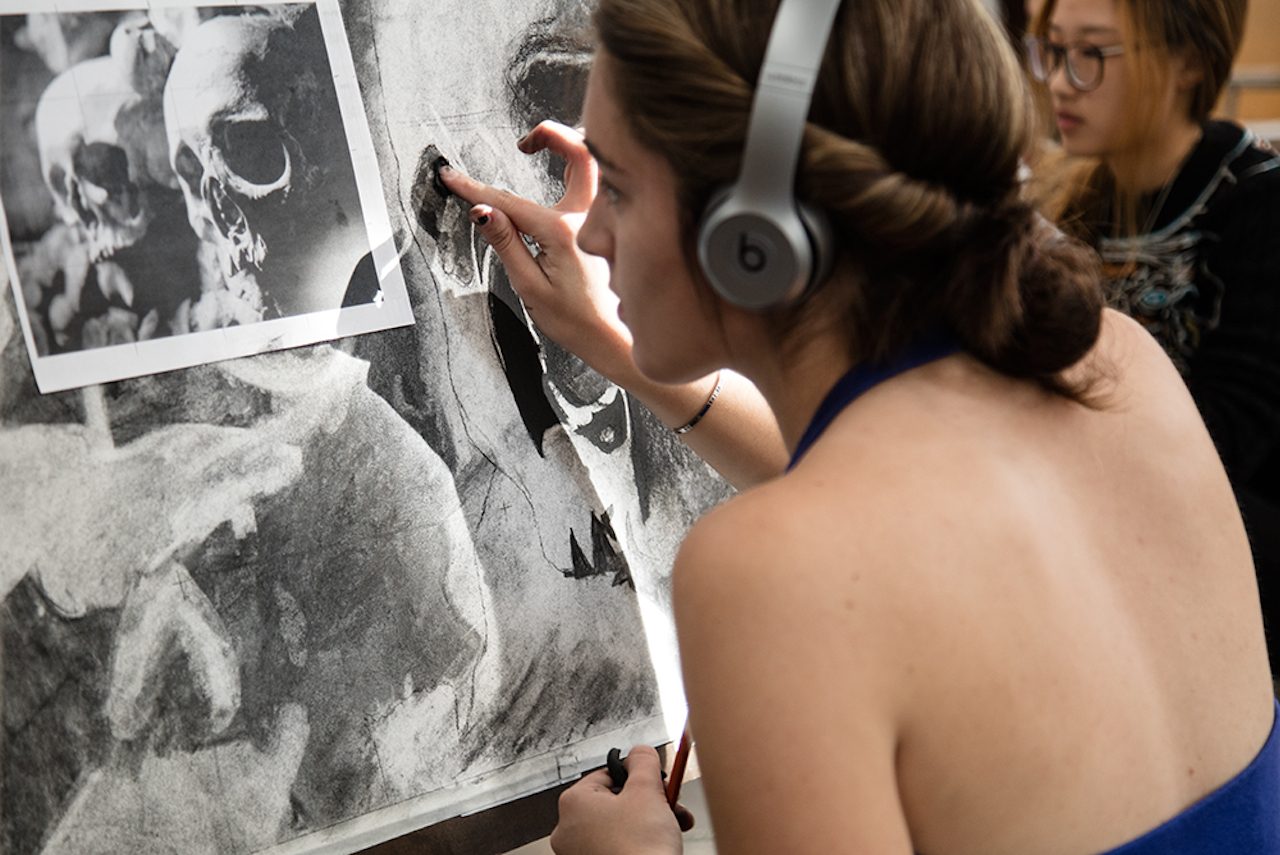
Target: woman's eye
x=609, y=192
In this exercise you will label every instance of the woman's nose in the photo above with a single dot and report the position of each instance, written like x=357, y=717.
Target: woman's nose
x=1059, y=85
x=593, y=237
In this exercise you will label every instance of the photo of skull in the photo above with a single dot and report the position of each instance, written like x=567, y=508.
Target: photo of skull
x=191, y=190
x=294, y=599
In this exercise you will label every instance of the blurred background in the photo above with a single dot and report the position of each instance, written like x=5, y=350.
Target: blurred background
x=1253, y=96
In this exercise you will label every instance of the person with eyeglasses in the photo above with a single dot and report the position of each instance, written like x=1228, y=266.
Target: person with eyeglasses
x=1185, y=214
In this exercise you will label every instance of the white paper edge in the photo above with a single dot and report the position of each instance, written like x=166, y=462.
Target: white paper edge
x=59, y=372
x=501, y=786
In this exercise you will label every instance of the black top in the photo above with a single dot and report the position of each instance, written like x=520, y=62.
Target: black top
x=1204, y=278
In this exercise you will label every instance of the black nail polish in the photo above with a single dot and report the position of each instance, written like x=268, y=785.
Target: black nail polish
x=617, y=771
x=439, y=164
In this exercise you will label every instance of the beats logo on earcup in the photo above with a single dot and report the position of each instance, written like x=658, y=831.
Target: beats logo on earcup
x=753, y=257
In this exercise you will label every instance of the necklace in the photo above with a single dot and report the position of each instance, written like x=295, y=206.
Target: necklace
x=1163, y=196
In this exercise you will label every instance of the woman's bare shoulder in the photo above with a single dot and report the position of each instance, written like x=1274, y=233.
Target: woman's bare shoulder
x=773, y=559
x=1125, y=346
x=783, y=651
x=803, y=540
x=1132, y=374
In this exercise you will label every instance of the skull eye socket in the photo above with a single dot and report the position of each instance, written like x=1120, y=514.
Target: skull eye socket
x=103, y=165
x=58, y=179
x=188, y=166
x=255, y=152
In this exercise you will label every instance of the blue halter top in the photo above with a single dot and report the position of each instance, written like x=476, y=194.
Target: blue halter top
x=1242, y=817
x=860, y=378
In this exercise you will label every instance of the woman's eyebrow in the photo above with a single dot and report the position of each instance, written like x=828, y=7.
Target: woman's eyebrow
x=601, y=159
x=1088, y=31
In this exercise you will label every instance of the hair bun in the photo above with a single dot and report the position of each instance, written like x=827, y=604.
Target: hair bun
x=916, y=164
x=1025, y=298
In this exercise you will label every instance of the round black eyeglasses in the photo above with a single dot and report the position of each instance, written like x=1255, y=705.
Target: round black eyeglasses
x=1084, y=62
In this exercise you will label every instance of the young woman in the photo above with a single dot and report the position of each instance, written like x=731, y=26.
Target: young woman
x=980, y=613
x=1185, y=213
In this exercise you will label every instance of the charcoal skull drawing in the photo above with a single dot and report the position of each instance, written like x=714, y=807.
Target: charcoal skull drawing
x=261, y=599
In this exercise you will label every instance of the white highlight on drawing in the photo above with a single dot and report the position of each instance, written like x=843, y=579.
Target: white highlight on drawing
x=165, y=614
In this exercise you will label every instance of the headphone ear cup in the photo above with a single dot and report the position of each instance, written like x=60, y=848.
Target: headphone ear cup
x=753, y=258
x=716, y=268
x=822, y=241
x=760, y=260
x=718, y=199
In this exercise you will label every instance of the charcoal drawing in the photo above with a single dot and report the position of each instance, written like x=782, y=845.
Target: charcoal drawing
x=294, y=599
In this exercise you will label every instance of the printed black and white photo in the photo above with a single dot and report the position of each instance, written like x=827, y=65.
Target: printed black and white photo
x=188, y=175
x=308, y=599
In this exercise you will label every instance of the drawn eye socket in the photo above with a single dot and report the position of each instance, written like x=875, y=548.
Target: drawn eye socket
x=254, y=151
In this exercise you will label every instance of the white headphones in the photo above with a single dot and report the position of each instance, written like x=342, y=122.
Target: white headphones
x=758, y=245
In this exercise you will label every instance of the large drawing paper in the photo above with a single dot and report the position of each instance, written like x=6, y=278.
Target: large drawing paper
x=307, y=600
x=202, y=208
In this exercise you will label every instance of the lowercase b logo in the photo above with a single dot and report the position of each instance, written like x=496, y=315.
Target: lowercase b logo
x=751, y=255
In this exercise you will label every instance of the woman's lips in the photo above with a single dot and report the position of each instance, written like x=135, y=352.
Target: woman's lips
x=1068, y=121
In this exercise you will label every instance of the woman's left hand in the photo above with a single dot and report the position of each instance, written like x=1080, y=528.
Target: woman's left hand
x=596, y=821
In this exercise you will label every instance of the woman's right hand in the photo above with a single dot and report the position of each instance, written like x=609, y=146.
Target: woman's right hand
x=565, y=291
x=596, y=819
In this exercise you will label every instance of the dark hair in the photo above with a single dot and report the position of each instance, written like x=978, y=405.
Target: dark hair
x=913, y=147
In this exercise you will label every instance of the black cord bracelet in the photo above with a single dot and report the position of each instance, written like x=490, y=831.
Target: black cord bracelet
x=715, y=393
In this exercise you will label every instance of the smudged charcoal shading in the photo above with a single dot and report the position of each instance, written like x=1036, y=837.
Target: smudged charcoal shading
x=51, y=704
x=547, y=76
x=436, y=183
x=428, y=203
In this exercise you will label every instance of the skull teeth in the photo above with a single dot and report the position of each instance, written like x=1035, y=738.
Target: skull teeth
x=106, y=239
x=242, y=250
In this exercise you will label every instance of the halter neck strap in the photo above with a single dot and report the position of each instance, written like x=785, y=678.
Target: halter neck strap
x=860, y=378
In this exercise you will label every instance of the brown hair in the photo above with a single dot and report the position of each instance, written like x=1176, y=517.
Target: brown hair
x=1153, y=32
x=912, y=147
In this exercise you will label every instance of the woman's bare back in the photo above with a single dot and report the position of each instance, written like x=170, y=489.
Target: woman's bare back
x=1061, y=600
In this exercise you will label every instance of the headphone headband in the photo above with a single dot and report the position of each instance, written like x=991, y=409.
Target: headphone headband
x=781, y=104
x=758, y=246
